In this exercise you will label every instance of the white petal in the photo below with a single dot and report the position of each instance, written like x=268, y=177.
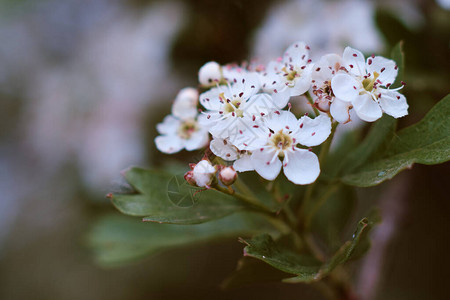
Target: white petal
x=354, y=62
x=312, y=132
x=345, y=87
x=340, y=110
x=197, y=140
x=302, y=84
x=266, y=163
x=283, y=120
x=297, y=54
x=169, y=125
x=223, y=149
x=301, y=166
x=257, y=104
x=244, y=163
x=210, y=99
x=386, y=68
x=366, y=108
x=324, y=68
x=281, y=99
x=169, y=143
x=394, y=104
x=248, y=85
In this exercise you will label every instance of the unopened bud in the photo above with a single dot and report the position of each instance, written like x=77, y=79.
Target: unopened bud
x=209, y=73
x=189, y=177
x=204, y=174
x=185, y=104
x=227, y=176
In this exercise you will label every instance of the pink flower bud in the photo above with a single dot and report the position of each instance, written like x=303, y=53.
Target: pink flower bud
x=227, y=175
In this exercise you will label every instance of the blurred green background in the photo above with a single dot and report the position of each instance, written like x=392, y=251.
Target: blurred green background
x=82, y=85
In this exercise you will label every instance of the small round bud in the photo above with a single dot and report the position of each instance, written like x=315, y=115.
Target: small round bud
x=227, y=176
x=209, y=73
x=204, y=173
x=189, y=177
x=185, y=104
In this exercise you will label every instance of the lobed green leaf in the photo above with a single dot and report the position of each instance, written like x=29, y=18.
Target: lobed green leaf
x=165, y=198
x=117, y=239
x=306, y=268
x=427, y=142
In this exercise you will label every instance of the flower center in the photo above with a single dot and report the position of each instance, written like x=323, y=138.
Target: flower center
x=281, y=140
x=187, y=128
x=233, y=108
x=291, y=74
x=370, y=82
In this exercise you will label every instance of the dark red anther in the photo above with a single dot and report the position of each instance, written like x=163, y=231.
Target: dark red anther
x=351, y=66
x=241, y=94
x=355, y=55
x=382, y=69
x=318, y=69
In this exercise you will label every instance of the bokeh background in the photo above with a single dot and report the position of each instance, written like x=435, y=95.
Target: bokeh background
x=82, y=84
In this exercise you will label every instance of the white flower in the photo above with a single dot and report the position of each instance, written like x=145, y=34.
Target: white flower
x=233, y=108
x=204, y=173
x=182, y=129
x=366, y=86
x=276, y=146
x=325, y=100
x=291, y=75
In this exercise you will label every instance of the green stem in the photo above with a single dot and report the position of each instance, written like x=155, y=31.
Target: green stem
x=330, y=191
x=322, y=158
x=249, y=200
x=311, y=101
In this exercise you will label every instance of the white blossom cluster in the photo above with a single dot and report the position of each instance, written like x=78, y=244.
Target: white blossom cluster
x=246, y=110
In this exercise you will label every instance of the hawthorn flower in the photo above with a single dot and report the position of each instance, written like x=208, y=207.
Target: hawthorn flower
x=182, y=129
x=276, y=146
x=233, y=108
x=290, y=75
x=324, y=98
x=366, y=86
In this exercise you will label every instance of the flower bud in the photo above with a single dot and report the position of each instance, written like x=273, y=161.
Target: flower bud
x=209, y=73
x=185, y=104
x=189, y=177
x=227, y=176
x=204, y=174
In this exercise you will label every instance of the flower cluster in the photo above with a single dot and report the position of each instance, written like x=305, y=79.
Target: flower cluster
x=247, y=111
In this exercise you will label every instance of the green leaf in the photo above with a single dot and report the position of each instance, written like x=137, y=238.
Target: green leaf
x=332, y=216
x=263, y=247
x=426, y=142
x=166, y=198
x=398, y=55
x=250, y=270
x=306, y=268
x=374, y=144
x=116, y=239
x=345, y=144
